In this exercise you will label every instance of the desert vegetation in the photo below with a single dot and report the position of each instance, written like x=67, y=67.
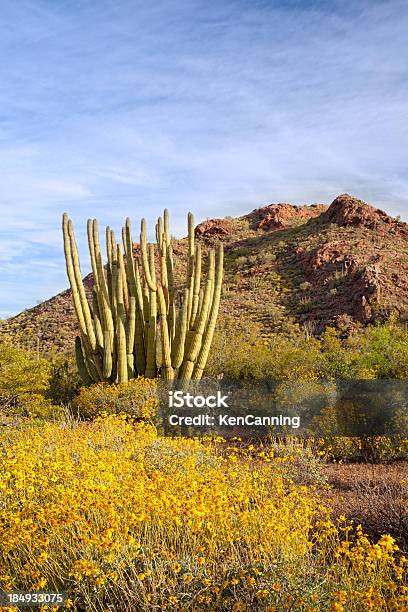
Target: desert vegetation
x=119, y=335
x=121, y=518
x=95, y=501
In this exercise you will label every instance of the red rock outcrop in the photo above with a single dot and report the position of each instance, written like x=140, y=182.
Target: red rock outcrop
x=361, y=282
x=346, y=210
x=333, y=254
x=279, y=216
x=213, y=228
x=365, y=286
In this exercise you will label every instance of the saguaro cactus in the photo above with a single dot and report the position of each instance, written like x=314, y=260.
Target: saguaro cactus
x=140, y=322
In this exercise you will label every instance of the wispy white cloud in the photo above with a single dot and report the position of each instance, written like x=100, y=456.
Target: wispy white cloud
x=113, y=109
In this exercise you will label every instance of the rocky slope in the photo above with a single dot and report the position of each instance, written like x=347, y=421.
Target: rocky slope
x=287, y=267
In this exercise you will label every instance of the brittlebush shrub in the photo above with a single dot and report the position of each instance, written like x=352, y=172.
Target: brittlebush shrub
x=136, y=398
x=124, y=520
x=375, y=449
x=24, y=379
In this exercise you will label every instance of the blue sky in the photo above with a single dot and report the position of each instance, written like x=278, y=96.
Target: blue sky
x=111, y=108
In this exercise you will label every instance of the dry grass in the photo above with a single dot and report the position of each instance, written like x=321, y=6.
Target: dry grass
x=375, y=495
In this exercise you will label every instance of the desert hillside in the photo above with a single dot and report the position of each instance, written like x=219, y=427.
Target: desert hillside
x=286, y=266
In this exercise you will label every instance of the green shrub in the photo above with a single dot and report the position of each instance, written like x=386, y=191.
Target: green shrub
x=379, y=351
x=305, y=305
x=64, y=382
x=241, y=261
x=136, y=398
x=24, y=378
x=382, y=349
x=238, y=352
x=265, y=257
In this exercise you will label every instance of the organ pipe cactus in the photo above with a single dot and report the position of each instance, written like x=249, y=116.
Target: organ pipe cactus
x=140, y=322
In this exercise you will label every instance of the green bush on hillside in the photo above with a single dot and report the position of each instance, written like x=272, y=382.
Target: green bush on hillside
x=379, y=351
x=24, y=379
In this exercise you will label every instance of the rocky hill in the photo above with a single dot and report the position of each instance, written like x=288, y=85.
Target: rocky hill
x=286, y=267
